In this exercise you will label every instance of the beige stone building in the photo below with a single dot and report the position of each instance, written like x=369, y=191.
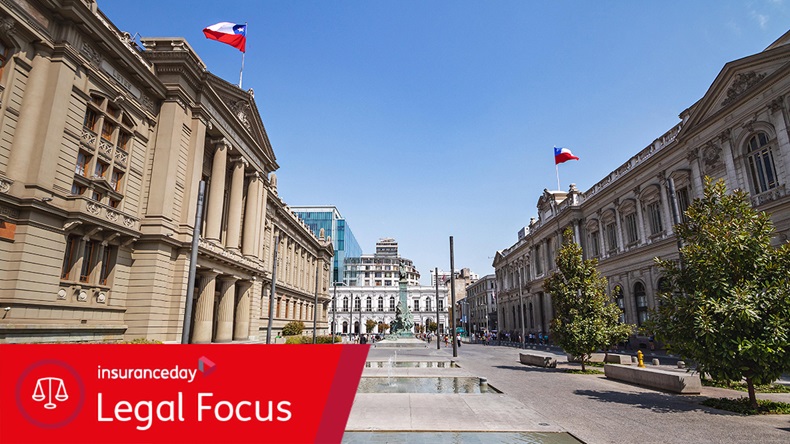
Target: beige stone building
x=102, y=147
x=738, y=132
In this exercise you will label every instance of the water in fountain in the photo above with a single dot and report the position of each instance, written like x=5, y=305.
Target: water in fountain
x=389, y=371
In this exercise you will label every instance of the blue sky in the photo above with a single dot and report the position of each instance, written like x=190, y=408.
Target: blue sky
x=425, y=119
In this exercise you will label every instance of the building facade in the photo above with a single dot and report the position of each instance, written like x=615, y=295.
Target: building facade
x=482, y=311
x=381, y=268
x=328, y=218
x=357, y=305
x=103, y=147
x=737, y=132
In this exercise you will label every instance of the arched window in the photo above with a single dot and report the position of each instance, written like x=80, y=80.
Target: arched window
x=356, y=325
x=392, y=303
x=369, y=304
x=345, y=305
x=357, y=303
x=345, y=327
x=641, y=303
x=381, y=303
x=761, y=163
x=428, y=304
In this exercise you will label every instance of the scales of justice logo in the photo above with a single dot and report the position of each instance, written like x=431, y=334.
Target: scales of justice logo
x=50, y=394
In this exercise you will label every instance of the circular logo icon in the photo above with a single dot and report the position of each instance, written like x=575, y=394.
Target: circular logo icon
x=50, y=394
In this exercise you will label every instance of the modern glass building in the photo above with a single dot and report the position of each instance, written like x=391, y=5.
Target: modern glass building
x=334, y=225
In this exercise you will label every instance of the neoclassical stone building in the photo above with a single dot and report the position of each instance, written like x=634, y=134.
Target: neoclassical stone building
x=102, y=147
x=738, y=132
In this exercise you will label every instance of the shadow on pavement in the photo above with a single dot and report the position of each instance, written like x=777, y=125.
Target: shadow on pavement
x=656, y=402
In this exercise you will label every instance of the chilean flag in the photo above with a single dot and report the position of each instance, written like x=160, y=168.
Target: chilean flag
x=230, y=33
x=563, y=155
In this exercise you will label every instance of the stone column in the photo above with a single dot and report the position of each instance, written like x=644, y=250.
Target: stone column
x=729, y=162
x=227, y=303
x=29, y=127
x=640, y=222
x=251, y=215
x=235, y=204
x=696, y=176
x=216, y=194
x=667, y=214
x=619, y=225
x=204, y=308
x=602, y=247
x=241, y=329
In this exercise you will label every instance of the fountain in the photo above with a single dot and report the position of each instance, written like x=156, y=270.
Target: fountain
x=401, y=327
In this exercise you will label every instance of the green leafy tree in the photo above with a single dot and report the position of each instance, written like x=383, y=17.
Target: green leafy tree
x=370, y=324
x=585, y=319
x=728, y=308
x=432, y=327
x=293, y=328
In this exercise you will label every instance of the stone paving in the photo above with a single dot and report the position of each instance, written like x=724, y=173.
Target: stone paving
x=545, y=405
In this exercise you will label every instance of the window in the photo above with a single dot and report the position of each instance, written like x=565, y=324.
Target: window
x=123, y=141
x=761, y=163
x=416, y=305
x=620, y=300
x=82, y=163
x=381, y=303
x=611, y=236
x=115, y=179
x=107, y=264
x=630, y=228
x=357, y=303
x=641, y=303
x=369, y=304
x=345, y=304
x=101, y=169
x=441, y=305
x=97, y=196
x=538, y=261
x=88, y=260
x=4, y=53
x=594, y=244
x=77, y=189
x=392, y=303
x=428, y=304
x=683, y=202
x=72, y=243
x=654, y=216
x=91, y=119
x=107, y=130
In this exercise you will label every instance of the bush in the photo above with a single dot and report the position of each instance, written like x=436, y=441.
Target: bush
x=142, y=341
x=743, y=406
x=298, y=339
x=293, y=328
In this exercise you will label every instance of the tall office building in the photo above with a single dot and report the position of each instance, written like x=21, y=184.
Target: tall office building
x=334, y=225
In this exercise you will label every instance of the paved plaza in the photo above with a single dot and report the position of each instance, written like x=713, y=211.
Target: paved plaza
x=539, y=405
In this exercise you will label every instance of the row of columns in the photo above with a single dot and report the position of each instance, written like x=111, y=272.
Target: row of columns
x=233, y=314
x=252, y=212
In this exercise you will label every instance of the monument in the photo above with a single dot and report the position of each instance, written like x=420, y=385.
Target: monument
x=401, y=328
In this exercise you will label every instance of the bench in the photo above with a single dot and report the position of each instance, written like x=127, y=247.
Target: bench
x=613, y=358
x=671, y=381
x=538, y=359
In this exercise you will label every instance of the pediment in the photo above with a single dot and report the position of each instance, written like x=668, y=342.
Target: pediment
x=243, y=110
x=739, y=79
x=498, y=258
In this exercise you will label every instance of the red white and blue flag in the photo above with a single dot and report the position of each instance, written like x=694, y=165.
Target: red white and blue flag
x=230, y=33
x=563, y=155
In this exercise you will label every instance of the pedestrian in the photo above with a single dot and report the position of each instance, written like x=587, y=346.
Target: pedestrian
x=458, y=338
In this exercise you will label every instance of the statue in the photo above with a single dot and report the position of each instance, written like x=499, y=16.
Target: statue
x=403, y=324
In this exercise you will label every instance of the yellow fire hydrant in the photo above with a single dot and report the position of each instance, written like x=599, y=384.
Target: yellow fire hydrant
x=641, y=358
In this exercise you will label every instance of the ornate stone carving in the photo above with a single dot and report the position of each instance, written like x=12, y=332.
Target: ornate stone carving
x=776, y=104
x=94, y=57
x=711, y=156
x=741, y=83
x=112, y=215
x=82, y=296
x=128, y=221
x=6, y=26
x=62, y=294
x=93, y=208
x=241, y=109
x=5, y=185
x=101, y=297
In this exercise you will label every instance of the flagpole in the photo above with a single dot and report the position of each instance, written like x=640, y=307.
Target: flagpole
x=557, y=167
x=241, y=71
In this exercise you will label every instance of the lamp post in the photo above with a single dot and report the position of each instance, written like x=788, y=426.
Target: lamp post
x=334, y=311
x=520, y=303
x=436, y=275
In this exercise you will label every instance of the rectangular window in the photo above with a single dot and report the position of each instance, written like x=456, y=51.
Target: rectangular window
x=82, y=163
x=630, y=228
x=115, y=179
x=91, y=118
x=538, y=261
x=683, y=202
x=123, y=141
x=416, y=305
x=428, y=305
x=88, y=261
x=101, y=169
x=107, y=264
x=611, y=237
x=106, y=130
x=77, y=189
x=70, y=257
x=654, y=215
x=441, y=305
x=594, y=244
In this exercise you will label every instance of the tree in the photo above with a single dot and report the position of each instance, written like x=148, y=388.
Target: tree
x=383, y=327
x=432, y=327
x=370, y=324
x=293, y=328
x=728, y=308
x=585, y=319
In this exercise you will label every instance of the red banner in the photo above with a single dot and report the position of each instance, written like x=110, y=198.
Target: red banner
x=235, y=393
